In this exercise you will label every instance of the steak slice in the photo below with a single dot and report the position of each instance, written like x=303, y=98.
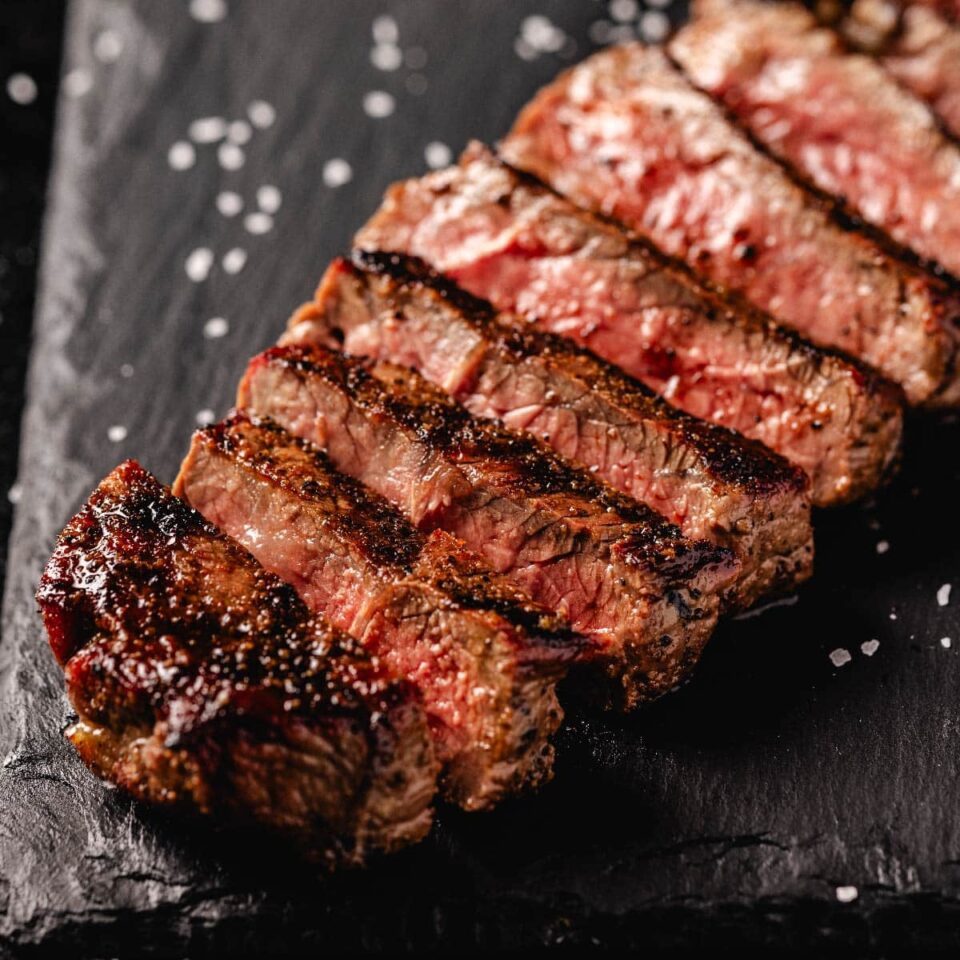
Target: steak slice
x=775, y=69
x=506, y=237
x=619, y=571
x=710, y=481
x=203, y=684
x=484, y=657
x=916, y=44
x=625, y=133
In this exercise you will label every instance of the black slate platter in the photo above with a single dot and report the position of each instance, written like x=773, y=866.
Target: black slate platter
x=728, y=814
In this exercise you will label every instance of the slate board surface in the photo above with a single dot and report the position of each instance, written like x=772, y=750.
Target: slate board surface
x=727, y=814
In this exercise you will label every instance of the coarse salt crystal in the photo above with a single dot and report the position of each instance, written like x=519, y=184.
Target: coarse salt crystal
x=231, y=157
x=258, y=223
x=205, y=416
x=15, y=493
x=108, y=46
x=198, y=264
x=385, y=29
x=386, y=56
x=234, y=260
x=215, y=328
x=269, y=198
x=847, y=894
x=945, y=642
x=883, y=546
x=840, y=656
x=208, y=11
x=181, y=155
x=337, y=172
x=239, y=132
x=229, y=203
x=437, y=154
x=117, y=433
x=261, y=114
x=943, y=595
x=654, y=25
x=870, y=647
x=22, y=89
x=207, y=129
x=77, y=83
x=378, y=104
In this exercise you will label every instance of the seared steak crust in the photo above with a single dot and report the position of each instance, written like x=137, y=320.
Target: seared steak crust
x=708, y=480
x=776, y=69
x=625, y=133
x=505, y=236
x=203, y=683
x=622, y=574
x=484, y=657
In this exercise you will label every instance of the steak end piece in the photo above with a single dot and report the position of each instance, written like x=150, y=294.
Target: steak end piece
x=713, y=483
x=483, y=656
x=626, y=134
x=203, y=684
x=620, y=572
x=505, y=236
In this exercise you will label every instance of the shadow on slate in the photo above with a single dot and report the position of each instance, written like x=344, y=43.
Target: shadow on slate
x=725, y=815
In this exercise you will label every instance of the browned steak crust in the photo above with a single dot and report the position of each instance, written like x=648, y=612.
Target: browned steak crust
x=505, y=236
x=710, y=481
x=621, y=573
x=203, y=683
x=484, y=656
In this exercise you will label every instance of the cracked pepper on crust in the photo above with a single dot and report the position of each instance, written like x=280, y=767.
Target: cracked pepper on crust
x=203, y=684
x=622, y=574
x=483, y=656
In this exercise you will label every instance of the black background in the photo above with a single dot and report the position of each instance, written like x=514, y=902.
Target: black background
x=726, y=815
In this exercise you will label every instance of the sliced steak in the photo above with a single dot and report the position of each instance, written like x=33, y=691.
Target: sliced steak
x=916, y=44
x=625, y=133
x=506, y=237
x=619, y=571
x=838, y=118
x=484, y=657
x=203, y=683
x=710, y=481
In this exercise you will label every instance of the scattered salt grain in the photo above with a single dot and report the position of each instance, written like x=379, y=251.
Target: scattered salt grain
x=258, y=223
x=883, y=546
x=15, y=493
x=198, y=264
x=205, y=417
x=945, y=642
x=386, y=56
x=385, y=30
x=542, y=34
x=181, y=155
x=337, y=172
x=215, y=328
x=840, y=656
x=234, y=260
x=108, y=46
x=437, y=155
x=654, y=26
x=893, y=615
x=847, y=894
x=207, y=129
x=77, y=83
x=378, y=104
x=261, y=114
x=231, y=157
x=943, y=595
x=208, y=11
x=269, y=198
x=869, y=647
x=126, y=370
x=623, y=10
x=117, y=433
x=523, y=49
x=229, y=203
x=22, y=89
x=239, y=132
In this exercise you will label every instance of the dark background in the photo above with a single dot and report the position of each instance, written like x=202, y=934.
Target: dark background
x=725, y=816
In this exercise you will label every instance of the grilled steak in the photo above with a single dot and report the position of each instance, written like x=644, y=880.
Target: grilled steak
x=914, y=43
x=484, y=658
x=202, y=683
x=625, y=133
x=711, y=482
x=836, y=117
x=621, y=573
x=506, y=237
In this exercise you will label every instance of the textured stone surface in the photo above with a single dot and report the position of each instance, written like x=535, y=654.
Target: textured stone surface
x=729, y=813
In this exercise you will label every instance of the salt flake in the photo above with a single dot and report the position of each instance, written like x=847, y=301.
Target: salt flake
x=943, y=594
x=840, y=656
x=869, y=647
x=847, y=894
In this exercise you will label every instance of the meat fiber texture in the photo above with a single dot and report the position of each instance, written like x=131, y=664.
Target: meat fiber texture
x=203, y=684
x=507, y=237
x=838, y=118
x=484, y=657
x=626, y=134
x=710, y=481
x=620, y=573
